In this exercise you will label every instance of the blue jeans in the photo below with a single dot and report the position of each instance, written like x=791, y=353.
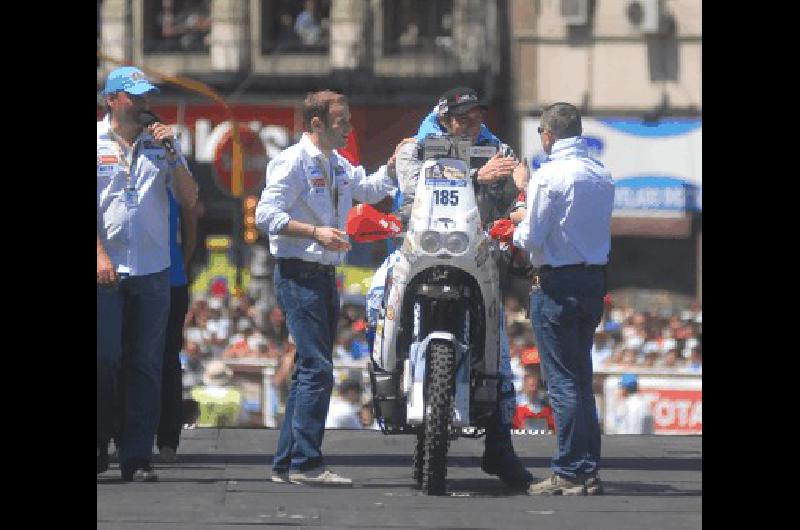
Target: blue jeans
x=311, y=304
x=133, y=311
x=566, y=308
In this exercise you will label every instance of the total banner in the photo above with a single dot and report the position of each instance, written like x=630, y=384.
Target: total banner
x=674, y=404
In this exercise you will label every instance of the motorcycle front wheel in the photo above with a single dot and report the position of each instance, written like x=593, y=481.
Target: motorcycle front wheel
x=440, y=381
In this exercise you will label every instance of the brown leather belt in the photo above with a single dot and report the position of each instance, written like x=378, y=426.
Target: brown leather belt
x=544, y=269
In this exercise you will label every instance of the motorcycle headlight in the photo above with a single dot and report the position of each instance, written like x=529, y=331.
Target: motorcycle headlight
x=430, y=242
x=456, y=242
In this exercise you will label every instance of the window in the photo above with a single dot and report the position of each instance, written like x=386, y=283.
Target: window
x=295, y=26
x=417, y=26
x=176, y=26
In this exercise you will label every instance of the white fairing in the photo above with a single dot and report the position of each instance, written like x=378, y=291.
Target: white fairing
x=445, y=209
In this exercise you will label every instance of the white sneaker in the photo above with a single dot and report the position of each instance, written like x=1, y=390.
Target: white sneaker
x=319, y=477
x=280, y=478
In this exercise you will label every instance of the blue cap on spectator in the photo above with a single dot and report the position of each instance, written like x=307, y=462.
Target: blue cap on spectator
x=129, y=79
x=629, y=381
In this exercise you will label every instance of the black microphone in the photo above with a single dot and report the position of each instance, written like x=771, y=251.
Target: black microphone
x=148, y=118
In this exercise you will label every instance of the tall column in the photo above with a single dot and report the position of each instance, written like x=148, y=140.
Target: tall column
x=347, y=46
x=116, y=31
x=229, y=35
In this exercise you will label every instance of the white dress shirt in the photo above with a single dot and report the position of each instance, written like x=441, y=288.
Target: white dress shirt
x=298, y=188
x=133, y=230
x=569, y=204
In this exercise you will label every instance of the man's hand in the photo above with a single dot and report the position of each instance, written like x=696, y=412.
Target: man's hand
x=163, y=132
x=390, y=165
x=331, y=238
x=496, y=168
x=522, y=175
x=106, y=275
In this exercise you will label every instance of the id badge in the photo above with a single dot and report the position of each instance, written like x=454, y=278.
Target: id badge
x=131, y=198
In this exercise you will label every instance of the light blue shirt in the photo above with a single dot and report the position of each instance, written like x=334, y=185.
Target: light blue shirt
x=569, y=204
x=298, y=189
x=134, y=233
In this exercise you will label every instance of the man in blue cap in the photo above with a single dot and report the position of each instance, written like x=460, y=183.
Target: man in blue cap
x=632, y=413
x=135, y=167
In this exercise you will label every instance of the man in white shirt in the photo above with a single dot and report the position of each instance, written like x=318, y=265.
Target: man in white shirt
x=344, y=409
x=566, y=229
x=303, y=209
x=632, y=414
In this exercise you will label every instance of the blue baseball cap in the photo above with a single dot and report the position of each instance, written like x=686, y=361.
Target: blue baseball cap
x=629, y=381
x=129, y=79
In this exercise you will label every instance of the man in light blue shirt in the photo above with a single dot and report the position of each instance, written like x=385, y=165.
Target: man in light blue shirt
x=135, y=165
x=303, y=209
x=566, y=229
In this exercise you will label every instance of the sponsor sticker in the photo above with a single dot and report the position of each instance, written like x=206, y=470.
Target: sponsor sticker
x=318, y=182
x=483, y=151
x=438, y=183
x=453, y=173
x=106, y=169
x=107, y=159
x=438, y=175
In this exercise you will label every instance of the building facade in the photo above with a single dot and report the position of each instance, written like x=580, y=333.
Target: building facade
x=632, y=66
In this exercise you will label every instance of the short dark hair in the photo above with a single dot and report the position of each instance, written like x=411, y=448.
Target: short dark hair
x=318, y=105
x=562, y=119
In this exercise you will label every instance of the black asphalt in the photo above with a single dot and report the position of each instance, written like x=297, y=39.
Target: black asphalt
x=221, y=481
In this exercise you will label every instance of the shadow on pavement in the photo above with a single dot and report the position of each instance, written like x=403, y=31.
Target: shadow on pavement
x=393, y=460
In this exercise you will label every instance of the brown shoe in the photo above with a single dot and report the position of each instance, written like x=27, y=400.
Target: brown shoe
x=558, y=485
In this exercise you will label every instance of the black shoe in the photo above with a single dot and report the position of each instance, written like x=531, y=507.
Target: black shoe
x=102, y=460
x=138, y=471
x=509, y=469
x=593, y=484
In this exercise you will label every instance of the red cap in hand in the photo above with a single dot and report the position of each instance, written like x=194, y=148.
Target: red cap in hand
x=502, y=230
x=365, y=224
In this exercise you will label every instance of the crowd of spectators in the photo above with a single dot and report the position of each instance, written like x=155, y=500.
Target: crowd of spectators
x=241, y=328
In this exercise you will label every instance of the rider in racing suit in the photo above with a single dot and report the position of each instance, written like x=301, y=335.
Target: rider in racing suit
x=459, y=112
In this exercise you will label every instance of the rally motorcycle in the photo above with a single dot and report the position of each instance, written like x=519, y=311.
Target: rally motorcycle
x=435, y=360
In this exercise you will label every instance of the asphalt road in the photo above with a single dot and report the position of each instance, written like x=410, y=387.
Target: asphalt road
x=221, y=481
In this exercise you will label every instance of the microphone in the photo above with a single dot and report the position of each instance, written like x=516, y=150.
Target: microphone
x=148, y=118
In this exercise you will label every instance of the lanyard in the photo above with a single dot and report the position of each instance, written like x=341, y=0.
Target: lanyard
x=326, y=170
x=331, y=177
x=122, y=150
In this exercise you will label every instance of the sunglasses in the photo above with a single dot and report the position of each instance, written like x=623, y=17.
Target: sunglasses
x=540, y=130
